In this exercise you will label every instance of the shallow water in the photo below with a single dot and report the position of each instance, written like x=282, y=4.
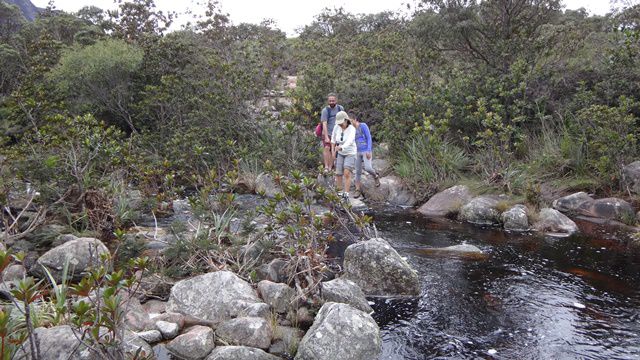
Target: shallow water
x=531, y=297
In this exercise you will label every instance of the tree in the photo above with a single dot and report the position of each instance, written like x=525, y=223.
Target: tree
x=494, y=32
x=98, y=78
x=137, y=19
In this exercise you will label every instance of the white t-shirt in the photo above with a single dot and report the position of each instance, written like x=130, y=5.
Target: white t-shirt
x=346, y=139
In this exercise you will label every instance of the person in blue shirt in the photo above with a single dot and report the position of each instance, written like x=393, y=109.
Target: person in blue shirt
x=364, y=144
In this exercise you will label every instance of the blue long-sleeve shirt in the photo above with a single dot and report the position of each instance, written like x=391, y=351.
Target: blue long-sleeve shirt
x=363, y=138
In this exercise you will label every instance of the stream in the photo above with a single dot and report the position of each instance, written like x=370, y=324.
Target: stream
x=530, y=297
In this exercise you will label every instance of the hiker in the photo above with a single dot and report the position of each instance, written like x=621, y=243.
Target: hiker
x=364, y=144
x=343, y=149
x=328, y=120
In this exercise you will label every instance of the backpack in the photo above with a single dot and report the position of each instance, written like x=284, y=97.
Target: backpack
x=319, y=126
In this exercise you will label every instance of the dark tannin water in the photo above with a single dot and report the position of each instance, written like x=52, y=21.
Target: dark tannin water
x=531, y=297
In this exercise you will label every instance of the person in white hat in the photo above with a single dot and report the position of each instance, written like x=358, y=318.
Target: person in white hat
x=344, y=150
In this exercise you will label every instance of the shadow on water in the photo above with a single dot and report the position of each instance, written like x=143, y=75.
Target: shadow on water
x=528, y=296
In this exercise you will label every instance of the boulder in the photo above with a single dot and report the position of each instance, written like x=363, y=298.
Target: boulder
x=391, y=190
x=63, y=238
x=13, y=273
x=551, y=220
x=154, y=306
x=273, y=271
x=216, y=296
x=357, y=204
x=135, y=318
x=134, y=344
x=379, y=270
x=239, y=353
x=60, y=342
x=169, y=330
x=341, y=332
x=447, y=202
x=170, y=317
x=631, y=177
x=150, y=336
x=277, y=295
x=261, y=310
x=43, y=237
x=285, y=341
x=344, y=291
x=246, y=331
x=516, y=218
x=573, y=203
x=610, y=208
x=81, y=254
x=195, y=344
x=382, y=166
x=481, y=210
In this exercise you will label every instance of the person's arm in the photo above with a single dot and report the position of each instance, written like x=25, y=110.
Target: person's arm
x=334, y=140
x=367, y=135
x=324, y=117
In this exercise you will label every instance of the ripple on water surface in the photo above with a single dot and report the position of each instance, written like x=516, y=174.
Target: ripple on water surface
x=530, y=297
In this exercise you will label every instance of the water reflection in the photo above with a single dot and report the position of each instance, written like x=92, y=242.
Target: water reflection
x=529, y=297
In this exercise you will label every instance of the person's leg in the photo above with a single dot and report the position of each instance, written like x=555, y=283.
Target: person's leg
x=347, y=180
x=368, y=167
x=328, y=158
x=359, y=158
x=349, y=166
x=339, y=171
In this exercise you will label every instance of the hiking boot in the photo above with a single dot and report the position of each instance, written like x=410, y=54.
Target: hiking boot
x=357, y=194
x=377, y=180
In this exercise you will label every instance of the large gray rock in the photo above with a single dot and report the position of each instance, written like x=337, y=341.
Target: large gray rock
x=150, y=336
x=13, y=273
x=344, y=291
x=481, y=210
x=341, y=332
x=610, y=208
x=447, y=202
x=378, y=269
x=516, y=218
x=215, y=296
x=553, y=221
x=277, y=295
x=246, y=331
x=573, y=203
x=195, y=344
x=81, y=254
x=391, y=190
x=239, y=353
x=60, y=342
x=631, y=177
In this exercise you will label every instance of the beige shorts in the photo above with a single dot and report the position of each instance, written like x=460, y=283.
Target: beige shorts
x=345, y=161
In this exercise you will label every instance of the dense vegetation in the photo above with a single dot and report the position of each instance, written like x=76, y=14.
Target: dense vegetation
x=517, y=95
x=512, y=92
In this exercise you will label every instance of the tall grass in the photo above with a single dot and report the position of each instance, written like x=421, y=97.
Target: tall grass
x=426, y=163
